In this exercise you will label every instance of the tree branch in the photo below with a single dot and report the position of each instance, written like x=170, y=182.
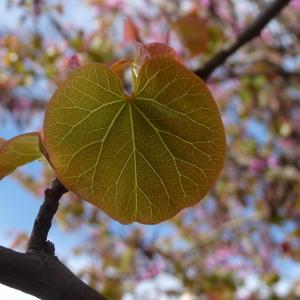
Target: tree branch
x=42, y=276
x=38, y=272
x=42, y=224
x=246, y=36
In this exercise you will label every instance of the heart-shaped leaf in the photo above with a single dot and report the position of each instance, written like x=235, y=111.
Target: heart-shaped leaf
x=142, y=157
x=18, y=151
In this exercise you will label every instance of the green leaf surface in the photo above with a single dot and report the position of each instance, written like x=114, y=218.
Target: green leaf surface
x=18, y=151
x=142, y=157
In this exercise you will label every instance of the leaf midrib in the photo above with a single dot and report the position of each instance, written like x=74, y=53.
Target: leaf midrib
x=134, y=157
x=162, y=141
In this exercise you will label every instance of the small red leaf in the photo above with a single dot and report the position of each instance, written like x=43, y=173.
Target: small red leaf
x=131, y=31
x=192, y=32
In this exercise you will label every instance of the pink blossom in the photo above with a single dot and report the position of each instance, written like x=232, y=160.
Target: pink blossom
x=272, y=162
x=204, y=3
x=224, y=12
x=153, y=270
x=221, y=255
x=74, y=61
x=287, y=144
x=267, y=36
x=296, y=4
x=37, y=7
x=238, y=27
x=257, y=165
x=23, y=103
x=113, y=4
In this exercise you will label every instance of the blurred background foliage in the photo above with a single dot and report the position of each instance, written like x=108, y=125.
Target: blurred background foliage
x=248, y=227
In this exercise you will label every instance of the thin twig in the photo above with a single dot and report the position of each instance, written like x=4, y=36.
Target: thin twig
x=246, y=36
x=42, y=224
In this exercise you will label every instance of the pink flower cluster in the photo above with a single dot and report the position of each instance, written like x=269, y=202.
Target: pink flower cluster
x=74, y=61
x=260, y=164
x=153, y=270
x=296, y=4
x=221, y=255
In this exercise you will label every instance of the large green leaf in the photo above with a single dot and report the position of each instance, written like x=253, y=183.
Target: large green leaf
x=142, y=157
x=18, y=151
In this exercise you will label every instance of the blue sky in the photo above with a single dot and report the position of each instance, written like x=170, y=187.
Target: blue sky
x=19, y=208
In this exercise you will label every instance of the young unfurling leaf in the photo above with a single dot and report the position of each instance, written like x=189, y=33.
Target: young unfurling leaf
x=131, y=31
